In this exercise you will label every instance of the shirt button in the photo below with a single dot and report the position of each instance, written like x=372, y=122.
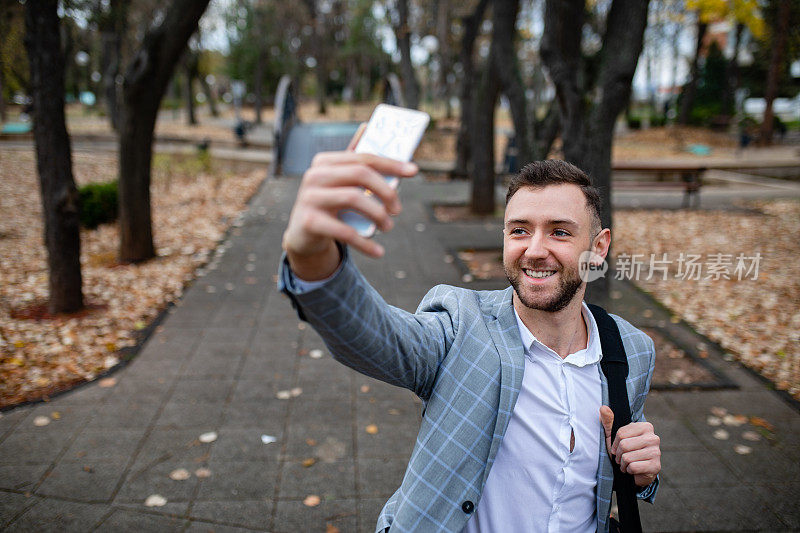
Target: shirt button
x=468, y=507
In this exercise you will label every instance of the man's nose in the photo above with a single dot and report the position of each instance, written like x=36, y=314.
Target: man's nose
x=536, y=248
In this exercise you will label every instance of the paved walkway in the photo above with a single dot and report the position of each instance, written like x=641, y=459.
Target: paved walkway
x=225, y=358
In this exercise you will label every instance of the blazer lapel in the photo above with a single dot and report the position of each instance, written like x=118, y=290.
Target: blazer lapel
x=502, y=325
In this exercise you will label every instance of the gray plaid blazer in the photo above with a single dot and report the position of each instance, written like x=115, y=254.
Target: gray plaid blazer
x=461, y=353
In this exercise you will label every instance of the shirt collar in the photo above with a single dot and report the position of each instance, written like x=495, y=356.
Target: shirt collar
x=589, y=355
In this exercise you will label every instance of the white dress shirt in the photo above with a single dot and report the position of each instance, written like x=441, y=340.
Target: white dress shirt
x=536, y=483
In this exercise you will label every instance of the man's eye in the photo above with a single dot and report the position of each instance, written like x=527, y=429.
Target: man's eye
x=560, y=233
x=517, y=231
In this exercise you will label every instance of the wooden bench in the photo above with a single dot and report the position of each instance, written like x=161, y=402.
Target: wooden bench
x=690, y=177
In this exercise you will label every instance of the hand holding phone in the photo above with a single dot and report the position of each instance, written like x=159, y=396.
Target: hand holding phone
x=393, y=132
x=355, y=182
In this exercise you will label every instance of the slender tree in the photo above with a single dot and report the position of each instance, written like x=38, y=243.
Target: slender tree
x=779, y=42
x=470, y=80
x=690, y=89
x=592, y=92
x=402, y=32
x=145, y=81
x=60, y=200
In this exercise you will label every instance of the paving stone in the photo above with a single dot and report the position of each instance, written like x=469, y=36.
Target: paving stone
x=90, y=393
x=178, y=445
x=239, y=480
x=255, y=514
x=153, y=390
x=21, y=477
x=12, y=504
x=782, y=498
x=380, y=477
x=255, y=415
x=144, y=480
x=126, y=412
x=735, y=508
x=292, y=516
x=334, y=480
x=196, y=526
x=695, y=468
x=128, y=520
x=10, y=420
x=184, y=415
x=57, y=516
x=246, y=445
x=263, y=390
x=196, y=390
x=34, y=447
x=86, y=481
x=668, y=513
x=94, y=445
x=369, y=509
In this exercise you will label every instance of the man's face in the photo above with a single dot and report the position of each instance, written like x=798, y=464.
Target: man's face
x=545, y=231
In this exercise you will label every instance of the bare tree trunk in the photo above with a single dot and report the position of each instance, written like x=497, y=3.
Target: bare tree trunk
x=482, y=168
x=112, y=31
x=775, y=69
x=60, y=200
x=504, y=20
x=732, y=74
x=190, y=71
x=690, y=89
x=403, y=35
x=258, y=83
x=2, y=100
x=445, y=66
x=588, y=126
x=472, y=25
x=145, y=82
x=210, y=97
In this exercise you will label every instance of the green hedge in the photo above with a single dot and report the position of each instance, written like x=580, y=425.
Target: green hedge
x=98, y=203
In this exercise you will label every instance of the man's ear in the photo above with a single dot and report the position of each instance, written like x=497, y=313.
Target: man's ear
x=602, y=242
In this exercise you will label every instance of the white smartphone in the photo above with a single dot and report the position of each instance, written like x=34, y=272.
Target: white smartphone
x=393, y=132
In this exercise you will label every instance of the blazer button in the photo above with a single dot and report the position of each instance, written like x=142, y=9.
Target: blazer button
x=468, y=507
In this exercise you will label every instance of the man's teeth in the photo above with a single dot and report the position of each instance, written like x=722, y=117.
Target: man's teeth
x=539, y=273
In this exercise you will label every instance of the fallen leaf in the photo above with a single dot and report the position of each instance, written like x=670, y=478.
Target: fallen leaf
x=330, y=528
x=55, y=415
x=268, y=439
x=179, y=474
x=741, y=449
x=107, y=382
x=308, y=462
x=155, y=500
x=311, y=442
x=364, y=388
x=394, y=412
x=735, y=421
x=301, y=326
x=721, y=434
x=139, y=325
x=760, y=422
x=88, y=469
x=211, y=436
x=372, y=429
x=295, y=392
x=713, y=421
x=312, y=500
x=400, y=274
x=719, y=411
x=315, y=354
x=752, y=436
x=41, y=421
x=283, y=394
x=202, y=473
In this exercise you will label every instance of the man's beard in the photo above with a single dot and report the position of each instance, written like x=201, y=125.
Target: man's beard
x=568, y=285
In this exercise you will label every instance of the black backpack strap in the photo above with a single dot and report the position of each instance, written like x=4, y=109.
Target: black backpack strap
x=615, y=367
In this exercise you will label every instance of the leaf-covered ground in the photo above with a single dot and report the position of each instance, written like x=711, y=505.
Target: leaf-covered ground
x=756, y=320
x=193, y=205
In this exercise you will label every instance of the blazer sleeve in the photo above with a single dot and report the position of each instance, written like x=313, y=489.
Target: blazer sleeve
x=365, y=333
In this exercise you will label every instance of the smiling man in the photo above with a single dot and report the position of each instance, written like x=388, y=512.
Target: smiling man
x=515, y=430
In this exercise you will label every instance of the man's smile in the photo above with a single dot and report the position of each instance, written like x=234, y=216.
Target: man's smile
x=538, y=274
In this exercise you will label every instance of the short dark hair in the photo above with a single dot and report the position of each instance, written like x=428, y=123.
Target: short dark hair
x=540, y=174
